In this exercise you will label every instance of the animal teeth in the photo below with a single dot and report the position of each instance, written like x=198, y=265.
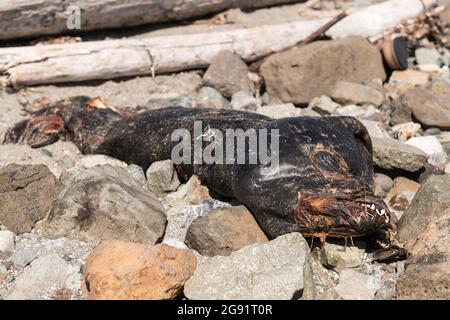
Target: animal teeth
x=372, y=207
x=383, y=211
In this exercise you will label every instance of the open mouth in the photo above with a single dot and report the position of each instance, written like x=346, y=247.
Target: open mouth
x=340, y=217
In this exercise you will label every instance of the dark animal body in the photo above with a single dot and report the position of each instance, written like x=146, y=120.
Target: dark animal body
x=322, y=186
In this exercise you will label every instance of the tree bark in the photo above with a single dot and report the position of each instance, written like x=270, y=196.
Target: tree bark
x=30, y=18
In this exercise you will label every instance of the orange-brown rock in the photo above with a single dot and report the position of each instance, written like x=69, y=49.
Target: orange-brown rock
x=123, y=270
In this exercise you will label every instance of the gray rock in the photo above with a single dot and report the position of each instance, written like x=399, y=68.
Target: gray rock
x=26, y=192
x=427, y=273
x=242, y=100
x=300, y=74
x=105, y=202
x=60, y=156
x=383, y=181
x=162, y=177
x=269, y=100
x=324, y=105
x=366, y=112
x=228, y=74
x=427, y=206
x=223, y=231
x=428, y=56
x=6, y=241
x=353, y=285
x=23, y=257
x=280, y=111
x=339, y=257
x=137, y=173
x=392, y=154
x=209, y=97
x=45, y=276
x=428, y=108
x=354, y=93
x=272, y=270
x=444, y=139
x=92, y=160
x=376, y=129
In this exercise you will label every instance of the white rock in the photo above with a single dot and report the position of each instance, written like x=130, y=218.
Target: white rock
x=428, y=144
x=324, y=104
x=438, y=159
x=429, y=68
x=243, y=100
x=92, y=160
x=353, y=285
x=45, y=275
x=6, y=241
x=279, y=111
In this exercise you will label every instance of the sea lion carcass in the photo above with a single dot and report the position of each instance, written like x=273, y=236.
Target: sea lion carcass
x=322, y=187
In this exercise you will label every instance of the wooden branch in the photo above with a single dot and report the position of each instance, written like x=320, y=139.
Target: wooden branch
x=131, y=57
x=380, y=17
x=30, y=18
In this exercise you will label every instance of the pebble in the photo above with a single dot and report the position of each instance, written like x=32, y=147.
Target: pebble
x=209, y=97
x=415, y=78
x=242, y=100
x=280, y=111
x=354, y=93
x=428, y=56
x=428, y=144
x=405, y=131
x=339, y=257
x=383, y=181
x=353, y=285
x=162, y=177
x=6, y=241
x=324, y=105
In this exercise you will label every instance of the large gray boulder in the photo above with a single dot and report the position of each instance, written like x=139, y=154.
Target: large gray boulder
x=300, y=74
x=427, y=206
x=105, y=202
x=271, y=270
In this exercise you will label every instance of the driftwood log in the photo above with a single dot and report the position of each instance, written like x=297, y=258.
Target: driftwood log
x=30, y=18
x=131, y=57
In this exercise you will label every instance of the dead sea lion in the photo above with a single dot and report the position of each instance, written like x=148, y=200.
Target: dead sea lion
x=322, y=186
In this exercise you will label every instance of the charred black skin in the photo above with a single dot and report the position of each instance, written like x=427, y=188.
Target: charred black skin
x=321, y=188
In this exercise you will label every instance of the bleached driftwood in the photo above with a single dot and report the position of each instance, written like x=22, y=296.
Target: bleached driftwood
x=131, y=57
x=378, y=18
x=109, y=59
x=29, y=18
